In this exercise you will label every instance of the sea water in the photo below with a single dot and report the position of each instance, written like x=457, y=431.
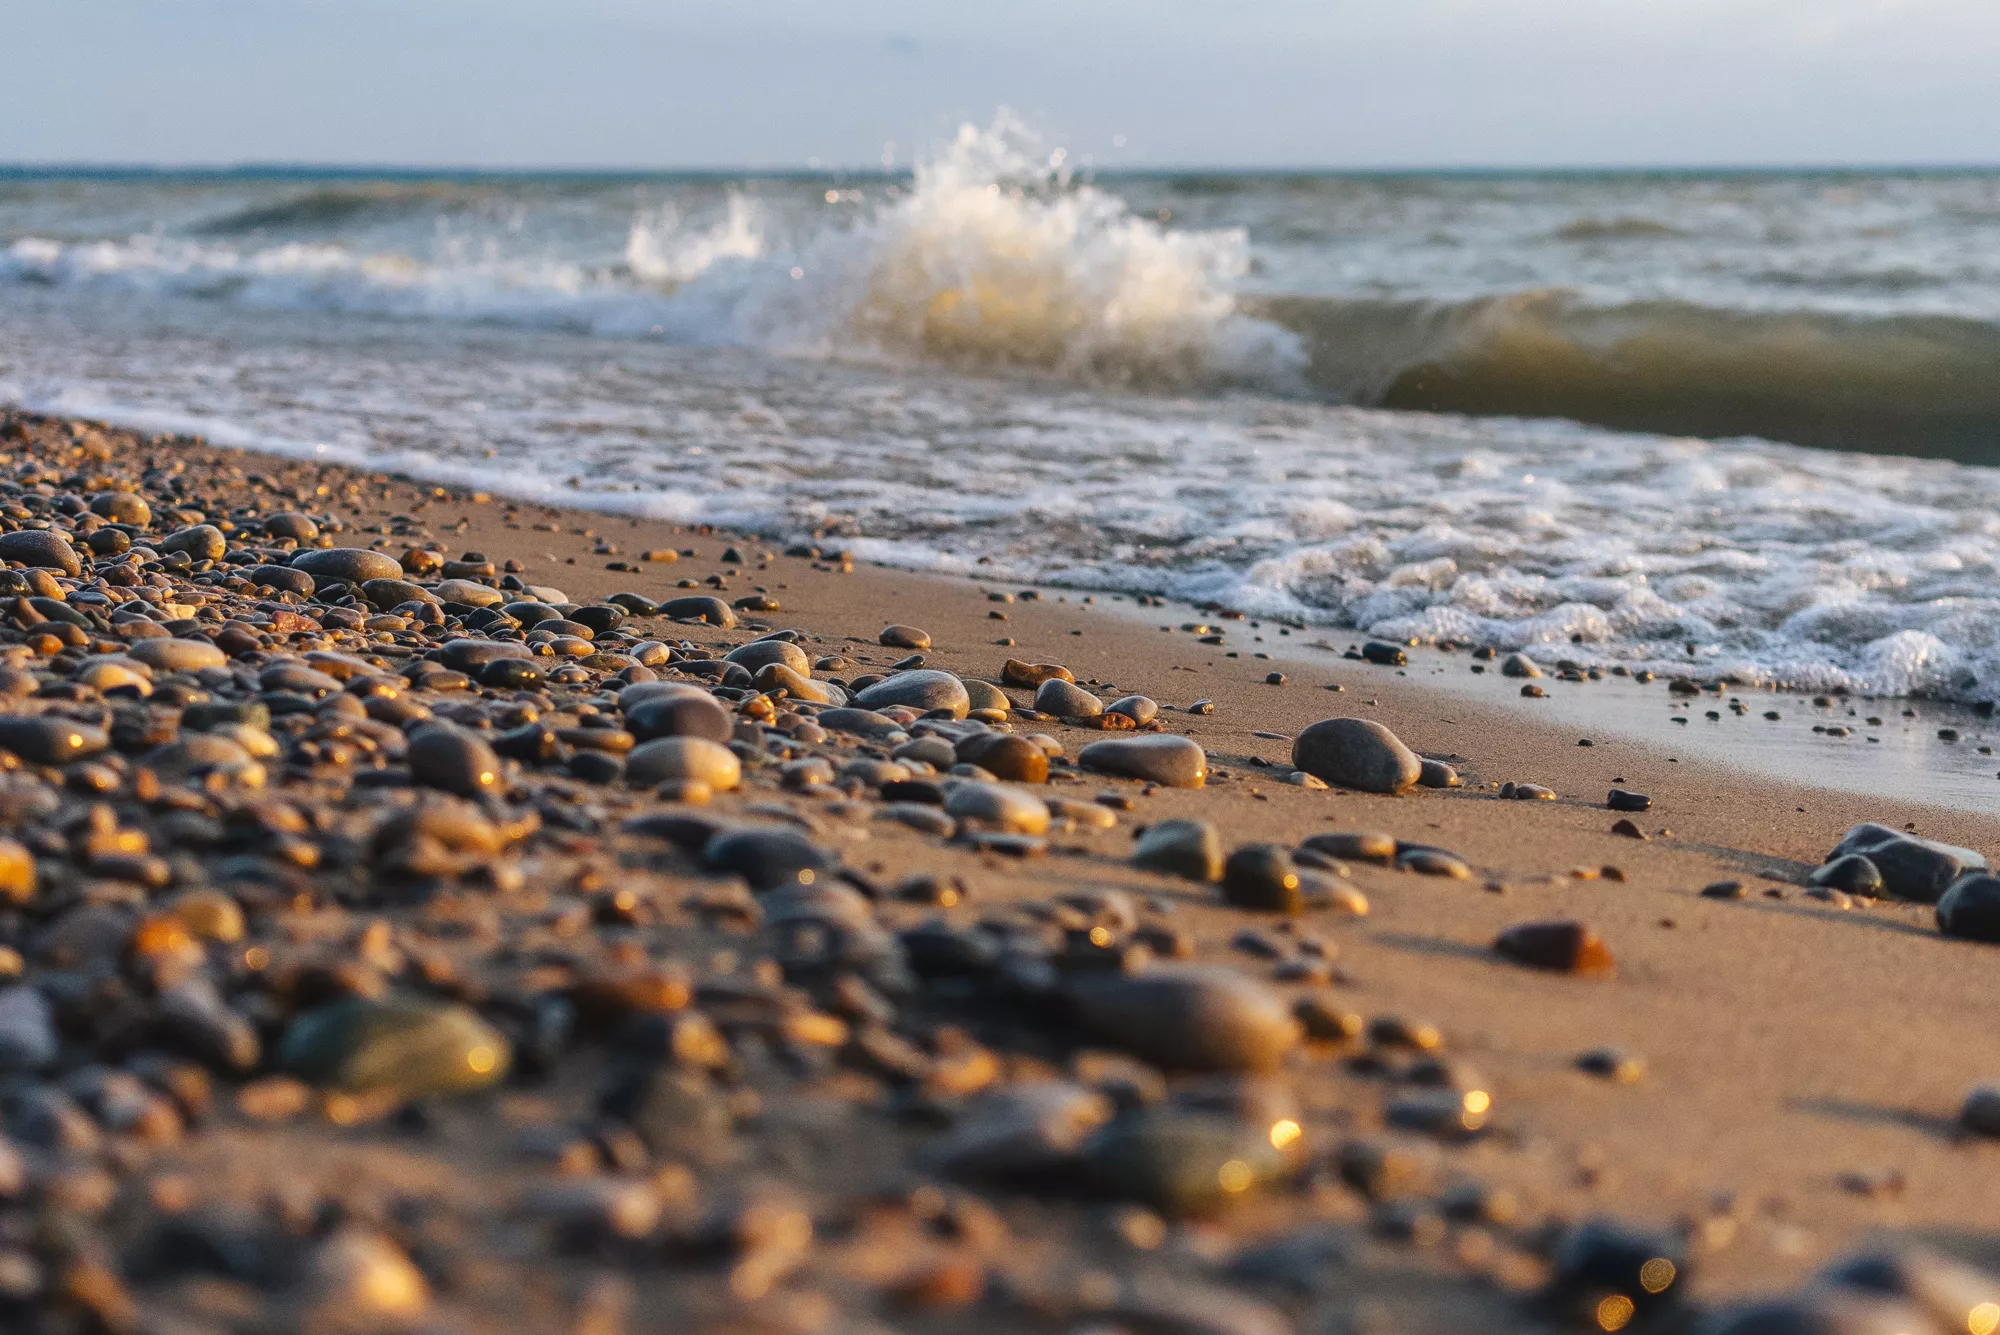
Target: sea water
x=1715, y=423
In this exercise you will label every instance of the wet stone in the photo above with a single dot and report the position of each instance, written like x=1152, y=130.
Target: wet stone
x=1600, y=1260
x=1190, y=849
x=1173, y=762
x=1355, y=845
x=1970, y=910
x=1357, y=753
x=922, y=690
x=1066, y=700
x=759, y=653
x=1613, y=1064
x=122, y=507
x=1559, y=947
x=1188, y=1017
x=413, y=1048
x=1520, y=666
x=904, y=637
x=1622, y=799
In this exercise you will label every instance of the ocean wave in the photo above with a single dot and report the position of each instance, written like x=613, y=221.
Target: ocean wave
x=1901, y=385
x=327, y=206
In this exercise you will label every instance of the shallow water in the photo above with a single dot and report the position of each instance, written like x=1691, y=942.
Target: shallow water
x=1199, y=386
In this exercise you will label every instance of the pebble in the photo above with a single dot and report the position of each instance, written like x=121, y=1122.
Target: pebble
x=1725, y=890
x=761, y=653
x=1065, y=699
x=1601, y=1261
x=1519, y=665
x=996, y=807
x=1970, y=909
x=1613, y=1064
x=700, y=607
x=769, y=858
x=1918, y=870
x=1355, y=845
x=175, y=655
x=1190, y=849
x=904, y=637
x=1262, y=878
x=361, y=1280
x=46, y=739
x=984, y=695
x=1188, y=1017
x=1004, y=756
x=1623, y=800
x=1030, y=676
x=682, y=712
x=1357, y=753
x=1172, y=762
x=1437, y=774
x=450, y=758
x=924, y=690
x=350, y=565
x=42, y=549
x=1851, y=873
x=28, y=1039
x=199, y=542
x=1139, y=708
x=1185, y=1163
x=684, y=759
x=1558, y=946
x=408, y=1047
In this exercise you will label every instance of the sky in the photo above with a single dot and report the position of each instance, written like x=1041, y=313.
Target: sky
x=772, y=83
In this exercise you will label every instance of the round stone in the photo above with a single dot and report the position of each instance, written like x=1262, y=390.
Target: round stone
x=1188, y=1017
x=922, y=690
x=283, y=578
x=470, y=593
x=769, y=859
x=1186, y=848
x=1066, y=700
x=1004, y=756
x=199, y=542
x=1519, y=665
x=676, y=711
x=388, y=593
x=467, y=655
x=42, y=548
x=758, y=653
x=1357, y=753
x=1189, y=1162
x=904, y=637
x=1263, y=878
x=1139, y=708
x=353, y=565
x=996, y=807
x=1851, y=874
x=682, y=758
x=1971, y=908
x=985, y=695
x=773, y=677
x=1174, y=762
x=1981, y=1113
x=450, y=758
x=122, y=507
x=291, y=524
x=414, y=1048
x=44, y=739
x=699, y=608
x=1560, y=947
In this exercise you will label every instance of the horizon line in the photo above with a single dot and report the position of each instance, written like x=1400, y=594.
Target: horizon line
x=283, y=167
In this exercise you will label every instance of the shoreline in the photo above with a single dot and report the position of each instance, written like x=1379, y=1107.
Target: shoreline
x=1793, y=1048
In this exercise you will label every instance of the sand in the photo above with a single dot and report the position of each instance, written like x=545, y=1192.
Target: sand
x=1794, y=1051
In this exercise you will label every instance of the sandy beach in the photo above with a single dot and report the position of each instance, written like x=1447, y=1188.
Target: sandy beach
x=1797, y=1064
